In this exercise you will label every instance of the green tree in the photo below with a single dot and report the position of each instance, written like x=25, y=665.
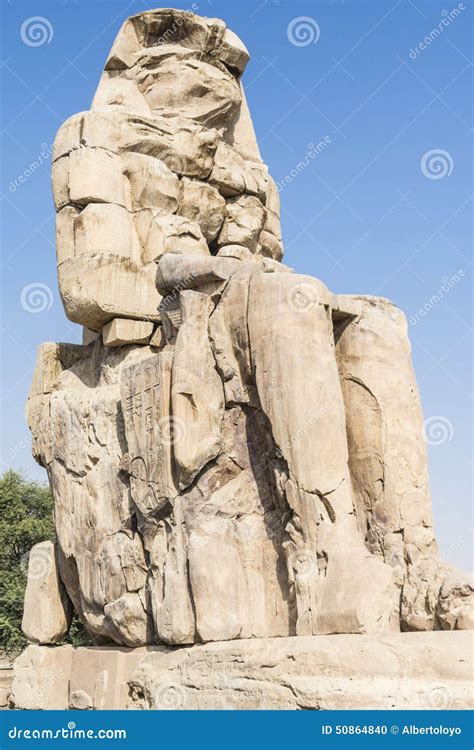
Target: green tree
x=26, y=518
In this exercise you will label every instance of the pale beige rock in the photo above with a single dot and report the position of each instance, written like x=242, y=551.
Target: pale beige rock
x=171, y=602
x=272, y=201
x=414, y=671
x=272, y=224
x=80, y=700
x=120, y=332
x=47, y=610
x=455, y=607
x=181, y=236
x=402, y=671
x=227, y=172
x=150, y=184
x=124, y=49
x=158, y=339
x=233, y=51
x=119, y=94
x=95, y=175
x=243, y=223
x=146, y=405
x=94, y=290
x=60, y=182
x=41, y=676
x=170, y=90
x=243, y=136
x=6, y=679
x=218, y=610
x=233, y=174
x=201, y=203
x=181, y=272
x=105, y=229
x=100, y=675
x=128, y=619
x=269, y=246
x=89, y=336
x=65, y=240
x=81, y=678
x=245, y=453
x=196, y=390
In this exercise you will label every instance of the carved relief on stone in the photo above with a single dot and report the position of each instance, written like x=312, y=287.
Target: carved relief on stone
x=145, y=397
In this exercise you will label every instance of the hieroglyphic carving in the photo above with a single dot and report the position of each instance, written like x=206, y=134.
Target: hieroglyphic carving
x=145, y=390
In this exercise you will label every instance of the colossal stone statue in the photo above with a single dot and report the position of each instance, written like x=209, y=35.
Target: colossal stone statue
x=235, y=451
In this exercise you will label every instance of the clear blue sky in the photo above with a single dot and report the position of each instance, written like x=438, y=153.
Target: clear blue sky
x=362, y=215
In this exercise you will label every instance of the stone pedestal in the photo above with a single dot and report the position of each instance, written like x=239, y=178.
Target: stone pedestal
x=399, y=671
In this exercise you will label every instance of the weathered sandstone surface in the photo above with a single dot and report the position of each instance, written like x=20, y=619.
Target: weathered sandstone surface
x=403, y=670
x=235, y=452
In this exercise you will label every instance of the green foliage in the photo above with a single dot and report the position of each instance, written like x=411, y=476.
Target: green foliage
x=26, y=518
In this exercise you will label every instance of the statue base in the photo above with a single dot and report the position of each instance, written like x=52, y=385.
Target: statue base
x=394, y=671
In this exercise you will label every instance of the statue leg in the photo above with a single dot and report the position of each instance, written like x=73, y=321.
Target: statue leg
x=294, y=366
x=388, y=462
